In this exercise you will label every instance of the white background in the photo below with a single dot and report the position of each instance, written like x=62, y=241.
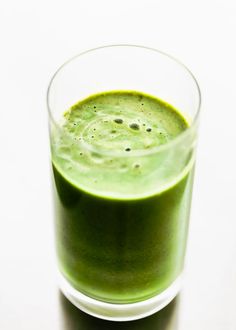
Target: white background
x=38, y=36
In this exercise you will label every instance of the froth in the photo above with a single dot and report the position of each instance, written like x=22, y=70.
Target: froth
x=115, y=122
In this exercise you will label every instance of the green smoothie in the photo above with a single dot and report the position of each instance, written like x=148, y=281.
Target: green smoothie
x=122, y=201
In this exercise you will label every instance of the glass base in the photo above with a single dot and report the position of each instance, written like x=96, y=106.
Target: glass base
x=119, y=312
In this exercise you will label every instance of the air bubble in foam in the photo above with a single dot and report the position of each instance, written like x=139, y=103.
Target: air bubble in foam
x=134, y=126
x=118, y=121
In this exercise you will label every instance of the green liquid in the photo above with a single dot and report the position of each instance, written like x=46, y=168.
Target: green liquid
x=121, y=228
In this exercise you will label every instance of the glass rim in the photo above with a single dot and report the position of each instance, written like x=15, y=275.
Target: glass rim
x=169, y=144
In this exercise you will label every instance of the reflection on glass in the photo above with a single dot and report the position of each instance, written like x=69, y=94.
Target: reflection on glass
x=74, y=319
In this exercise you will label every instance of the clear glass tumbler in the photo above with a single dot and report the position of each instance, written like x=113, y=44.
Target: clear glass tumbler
x=121, y=236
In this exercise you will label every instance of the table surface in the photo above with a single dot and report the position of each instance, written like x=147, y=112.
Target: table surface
x=35, y=40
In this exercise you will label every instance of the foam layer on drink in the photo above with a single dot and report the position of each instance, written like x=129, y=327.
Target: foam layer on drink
x=107, y=145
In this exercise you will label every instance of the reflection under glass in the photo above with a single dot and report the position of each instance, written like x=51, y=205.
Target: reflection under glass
x=74, y=319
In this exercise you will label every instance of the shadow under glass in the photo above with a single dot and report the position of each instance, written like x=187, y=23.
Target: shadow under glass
x=75, y=319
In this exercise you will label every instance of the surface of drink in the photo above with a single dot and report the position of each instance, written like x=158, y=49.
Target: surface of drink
x=122, y=201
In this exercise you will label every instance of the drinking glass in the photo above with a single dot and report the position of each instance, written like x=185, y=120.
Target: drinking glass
x=121, y=243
